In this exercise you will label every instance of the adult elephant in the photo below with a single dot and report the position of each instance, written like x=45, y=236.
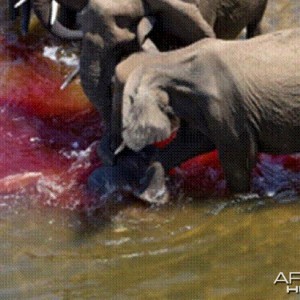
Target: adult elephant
x=110, y=33
x=63, y=27
x=229, y=95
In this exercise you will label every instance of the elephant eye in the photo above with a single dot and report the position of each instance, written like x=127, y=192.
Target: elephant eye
x=167, y=109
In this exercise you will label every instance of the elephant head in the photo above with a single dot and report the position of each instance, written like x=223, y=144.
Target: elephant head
x=147, y=116
x=111, y=31
x=46, y=11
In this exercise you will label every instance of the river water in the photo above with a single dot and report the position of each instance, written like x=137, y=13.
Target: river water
x=194, y=248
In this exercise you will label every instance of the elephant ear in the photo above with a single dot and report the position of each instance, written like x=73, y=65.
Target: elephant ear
x=144, y=119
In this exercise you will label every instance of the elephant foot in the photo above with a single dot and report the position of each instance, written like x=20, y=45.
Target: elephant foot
x=132, y=174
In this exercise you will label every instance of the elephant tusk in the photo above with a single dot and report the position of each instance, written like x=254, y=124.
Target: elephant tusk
x=70, y=78
x=149, y=46
x=143, y=30
x=19, y=3
x=120, y=148
x=54, y=12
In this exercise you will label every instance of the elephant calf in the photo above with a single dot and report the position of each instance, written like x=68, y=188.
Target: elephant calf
x=239, y=97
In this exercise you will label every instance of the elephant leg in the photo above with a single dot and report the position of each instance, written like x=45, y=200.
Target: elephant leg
x=238, y=157
x=188, y=143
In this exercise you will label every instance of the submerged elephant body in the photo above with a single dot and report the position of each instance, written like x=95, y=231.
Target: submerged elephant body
x=240, y=97
x=110, y=33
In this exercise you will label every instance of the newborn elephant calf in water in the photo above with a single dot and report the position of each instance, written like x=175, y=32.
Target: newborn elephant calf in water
x=239, y=97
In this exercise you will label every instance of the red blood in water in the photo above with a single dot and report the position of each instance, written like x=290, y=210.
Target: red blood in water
x=203, y=175
x=46, y=133
x=32, y=82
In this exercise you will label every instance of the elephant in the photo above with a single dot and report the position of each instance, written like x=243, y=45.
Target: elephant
x=110, y=29
x=239, y=97
x=46, y=11
x=135, y=174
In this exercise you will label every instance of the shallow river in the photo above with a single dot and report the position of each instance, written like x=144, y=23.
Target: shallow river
x=194, y=248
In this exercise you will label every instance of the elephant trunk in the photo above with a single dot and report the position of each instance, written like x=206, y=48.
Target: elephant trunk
x=106, y=39
x=97, y=66
x=43, y=10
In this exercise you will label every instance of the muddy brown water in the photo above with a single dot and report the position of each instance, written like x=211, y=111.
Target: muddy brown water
x=194, y=249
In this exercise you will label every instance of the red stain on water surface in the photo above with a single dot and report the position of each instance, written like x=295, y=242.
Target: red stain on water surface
x=49, y=136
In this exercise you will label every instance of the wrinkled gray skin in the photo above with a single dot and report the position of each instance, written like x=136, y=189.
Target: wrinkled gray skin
x=110, y=33
x=186, y=136
x=240, y=97
x=63, y=28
